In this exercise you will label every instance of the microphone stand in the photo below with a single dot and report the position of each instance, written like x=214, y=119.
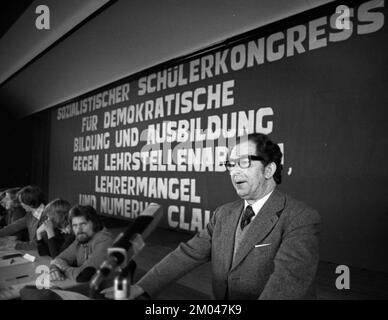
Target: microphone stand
x=106, y=269
x=129, y=270
x=121, y=273
x=124, y=284
x=123, y=281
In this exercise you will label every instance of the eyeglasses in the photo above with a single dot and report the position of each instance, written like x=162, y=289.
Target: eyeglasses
x=243, y=162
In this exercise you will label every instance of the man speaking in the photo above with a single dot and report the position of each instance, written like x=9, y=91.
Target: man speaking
x=264, y=246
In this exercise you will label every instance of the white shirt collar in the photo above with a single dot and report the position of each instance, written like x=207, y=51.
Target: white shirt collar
x=37, y=213
x=258, y=204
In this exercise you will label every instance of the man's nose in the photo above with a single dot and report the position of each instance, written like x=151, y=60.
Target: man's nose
x=235, y=170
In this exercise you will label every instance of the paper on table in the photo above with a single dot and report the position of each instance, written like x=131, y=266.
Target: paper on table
x=29, y=257
x=13, y=261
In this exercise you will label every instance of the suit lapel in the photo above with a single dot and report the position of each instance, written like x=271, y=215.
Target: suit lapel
x=260, y=227
x=228, y=232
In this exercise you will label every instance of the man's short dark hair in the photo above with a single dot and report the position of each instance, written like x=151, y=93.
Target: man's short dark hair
x=268, y=150
x=89, y=213
x=32, y=196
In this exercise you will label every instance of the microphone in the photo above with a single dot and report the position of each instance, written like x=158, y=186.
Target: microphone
x=130, y=240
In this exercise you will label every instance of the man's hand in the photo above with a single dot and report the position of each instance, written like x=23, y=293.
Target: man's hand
x=135, y=292
x=59, y=263
x=56, y=274
x=39, y=231
x=49, y=227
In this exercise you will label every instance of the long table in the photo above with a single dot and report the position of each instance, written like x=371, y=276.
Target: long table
x=15, y=273
x=194, y=286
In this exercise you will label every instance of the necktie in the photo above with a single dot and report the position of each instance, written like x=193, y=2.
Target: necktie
x=247, y=216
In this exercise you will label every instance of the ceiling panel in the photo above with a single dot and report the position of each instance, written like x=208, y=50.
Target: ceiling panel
x=127, y=37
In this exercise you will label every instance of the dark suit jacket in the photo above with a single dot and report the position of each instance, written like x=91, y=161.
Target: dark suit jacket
x=283, y=269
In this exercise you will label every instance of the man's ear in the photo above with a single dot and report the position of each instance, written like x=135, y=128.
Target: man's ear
x=269, y=170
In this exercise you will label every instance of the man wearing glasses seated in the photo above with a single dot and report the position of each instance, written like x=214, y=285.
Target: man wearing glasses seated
x=264, y=246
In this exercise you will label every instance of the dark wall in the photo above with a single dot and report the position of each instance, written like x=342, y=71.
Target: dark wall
x=24, y=150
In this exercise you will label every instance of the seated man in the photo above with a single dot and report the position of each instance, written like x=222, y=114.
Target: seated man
x=31, y=199
x=264, y=246
x=13, y=210
x=88, y=249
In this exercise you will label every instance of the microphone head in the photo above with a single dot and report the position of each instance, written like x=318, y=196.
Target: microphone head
x=144, y=224
x=131, y=239
x=156, y=212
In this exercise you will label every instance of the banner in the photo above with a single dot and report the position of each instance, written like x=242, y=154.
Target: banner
x=162, y=136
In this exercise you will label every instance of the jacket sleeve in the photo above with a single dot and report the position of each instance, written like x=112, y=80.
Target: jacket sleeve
x=94, y=260
x=17, y=214
x=179, y=262
x=296, y=261
x=66, y=258
x=14, y=227
x=55, y=244
x=50, y=247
